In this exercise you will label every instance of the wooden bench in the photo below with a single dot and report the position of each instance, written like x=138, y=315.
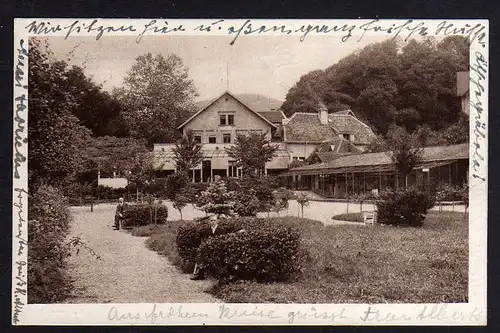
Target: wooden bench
x=370, y=217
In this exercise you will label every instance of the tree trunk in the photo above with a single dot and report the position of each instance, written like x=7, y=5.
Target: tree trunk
x=180, y=212
x=406, y=183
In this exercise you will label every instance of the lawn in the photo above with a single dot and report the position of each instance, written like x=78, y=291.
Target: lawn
x=358, y=264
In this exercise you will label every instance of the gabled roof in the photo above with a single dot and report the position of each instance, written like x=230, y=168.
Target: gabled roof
x=374, y=160
x=462, y=83
x=273, y=116
x=349, y=124
x=306, y=127
x=216, y=99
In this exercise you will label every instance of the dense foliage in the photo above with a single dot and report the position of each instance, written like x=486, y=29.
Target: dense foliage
x=251, y=153
x=404, y=149
x=264, y=254
x=187, y=153
x=216, y=199
x=404, y=208
x=48, y=224
x=144, y=214
x=409, y=84
x=157, y=96
x=55, y=135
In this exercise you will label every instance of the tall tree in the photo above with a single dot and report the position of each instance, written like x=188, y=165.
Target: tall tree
x=404, y=149
x=55, y=137
x=252, y=152
x=158, y=95
x=187, y=153
x=98, y=110
x=409, y=84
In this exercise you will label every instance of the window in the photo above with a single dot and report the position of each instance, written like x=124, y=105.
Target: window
x=233, y=169
x=197, y=139
x=345, y=136
x=222, y=118
x=212, y=139
x=226, y=138
x=226, y=119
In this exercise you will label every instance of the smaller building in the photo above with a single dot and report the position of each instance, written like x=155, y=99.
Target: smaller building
x=463, y=90
x=303, y=132
x=373, y=172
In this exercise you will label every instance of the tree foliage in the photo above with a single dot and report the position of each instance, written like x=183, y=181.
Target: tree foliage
x=389, y=82
x=157, y=96
x=251, y=153
x=56, y=138
x=404, y=149
x=187, y=153
x=97, y=109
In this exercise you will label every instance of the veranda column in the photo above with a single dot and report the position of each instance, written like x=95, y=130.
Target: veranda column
x=353, y=188
x=346, y=184
x=364, y=182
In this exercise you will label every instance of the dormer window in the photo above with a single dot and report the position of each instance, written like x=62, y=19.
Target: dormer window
x=345, y=136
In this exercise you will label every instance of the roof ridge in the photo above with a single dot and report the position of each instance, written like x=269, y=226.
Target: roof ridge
x=216, y=99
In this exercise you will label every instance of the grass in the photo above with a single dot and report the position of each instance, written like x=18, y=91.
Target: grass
x=352, y=264
x=351, y=217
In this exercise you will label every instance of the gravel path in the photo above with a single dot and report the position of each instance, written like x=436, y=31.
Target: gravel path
x=127, y=272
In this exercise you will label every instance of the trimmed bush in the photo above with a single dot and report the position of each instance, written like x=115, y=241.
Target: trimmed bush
x=48, y=224
x=268, y=254
x=404, y=208
x=191, y=235
x=143, y=214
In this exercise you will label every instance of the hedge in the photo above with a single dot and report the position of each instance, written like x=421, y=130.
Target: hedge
x=268, y=254
x=48, y=224
x=191, y=235
x=143, y=214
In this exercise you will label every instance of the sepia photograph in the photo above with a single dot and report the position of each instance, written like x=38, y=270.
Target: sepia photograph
x=189, y=169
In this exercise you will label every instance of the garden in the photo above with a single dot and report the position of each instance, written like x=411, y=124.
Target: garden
x=419, y=256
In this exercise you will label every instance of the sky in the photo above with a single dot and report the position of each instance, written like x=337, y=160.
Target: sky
x=266, y=65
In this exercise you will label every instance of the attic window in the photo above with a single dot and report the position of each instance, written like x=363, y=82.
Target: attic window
x=345, y=136
x=226, y=119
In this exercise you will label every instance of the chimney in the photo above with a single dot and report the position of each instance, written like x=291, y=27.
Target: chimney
x=323, y=113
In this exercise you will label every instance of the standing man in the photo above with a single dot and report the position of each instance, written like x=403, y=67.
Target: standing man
x=119, y=215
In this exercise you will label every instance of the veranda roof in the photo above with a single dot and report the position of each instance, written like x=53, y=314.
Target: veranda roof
x=381, y=162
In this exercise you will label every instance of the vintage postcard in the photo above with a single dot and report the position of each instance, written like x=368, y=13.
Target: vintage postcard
x=250, y=172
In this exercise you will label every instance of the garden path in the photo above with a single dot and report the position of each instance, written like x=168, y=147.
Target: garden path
x=127, y=272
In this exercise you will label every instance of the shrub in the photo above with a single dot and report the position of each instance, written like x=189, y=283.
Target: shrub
x=192, y=234
x=216, y=199
x=246, y=203
x=404, y=208
x=106, y=192
x=450, y=193
x=143, y=214
x=268, y=254
x=48, y=224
